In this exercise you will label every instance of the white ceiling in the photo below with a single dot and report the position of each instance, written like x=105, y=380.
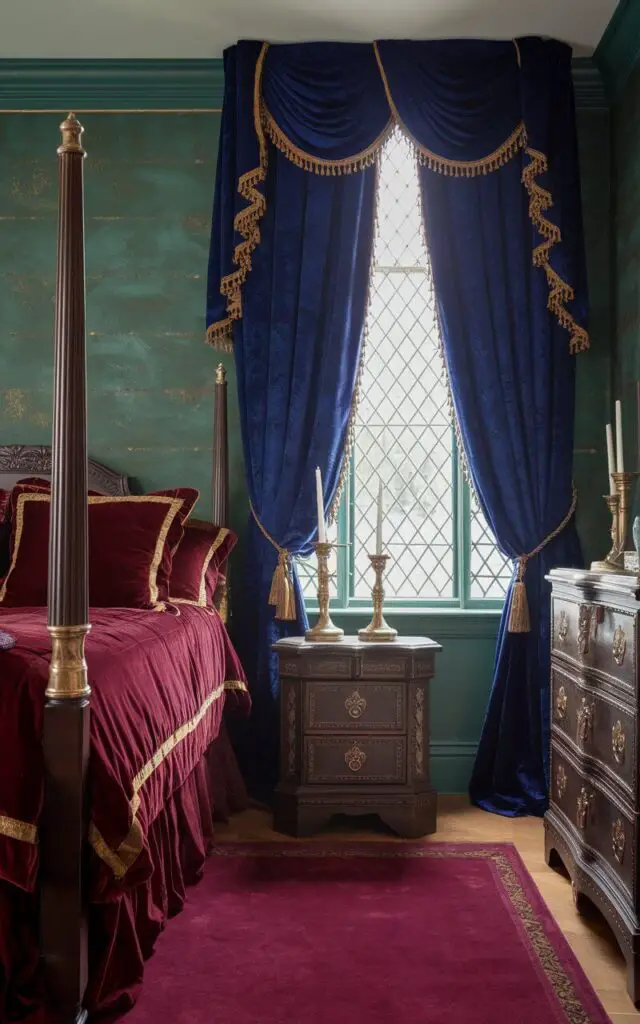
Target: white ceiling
x=202, y=28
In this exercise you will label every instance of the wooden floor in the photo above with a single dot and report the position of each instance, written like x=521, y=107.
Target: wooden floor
x=591, y=940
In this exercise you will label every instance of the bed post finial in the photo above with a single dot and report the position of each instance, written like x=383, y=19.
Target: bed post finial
x=71, y=136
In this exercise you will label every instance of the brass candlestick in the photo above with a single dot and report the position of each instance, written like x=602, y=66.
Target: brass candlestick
x=378, y=630
x=324, y=630
x=619, y=505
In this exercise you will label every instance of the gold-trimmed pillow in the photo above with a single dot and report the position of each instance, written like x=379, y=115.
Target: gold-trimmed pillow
x=130, y=549
x=198, y=561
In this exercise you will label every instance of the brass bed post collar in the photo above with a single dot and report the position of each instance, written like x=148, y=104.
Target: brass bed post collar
x=71, y=135
x=221, y=374
x=68, y=668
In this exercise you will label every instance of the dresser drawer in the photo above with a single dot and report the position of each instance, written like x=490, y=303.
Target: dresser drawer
x=596, y=637
x=596, y=819
x=596, y=724
x=355, y=759
x=363, y=706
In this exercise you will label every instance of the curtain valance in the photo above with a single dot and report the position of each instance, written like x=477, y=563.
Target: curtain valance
x=468, y=106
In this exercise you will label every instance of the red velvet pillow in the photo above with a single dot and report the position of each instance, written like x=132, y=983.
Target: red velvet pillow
x=197, y=562
x=130, y=547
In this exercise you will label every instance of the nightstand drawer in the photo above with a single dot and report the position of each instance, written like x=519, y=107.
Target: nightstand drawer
x=372, y=707
x=355, y=759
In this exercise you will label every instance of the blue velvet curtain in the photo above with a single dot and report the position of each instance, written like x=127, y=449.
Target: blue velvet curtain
x=297, y=349
x=512, y=378
x=493, y=128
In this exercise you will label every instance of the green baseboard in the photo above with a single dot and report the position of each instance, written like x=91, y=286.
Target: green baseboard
x=451, y=765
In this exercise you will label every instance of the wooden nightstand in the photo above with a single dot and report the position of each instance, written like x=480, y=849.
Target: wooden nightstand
x=355, y=733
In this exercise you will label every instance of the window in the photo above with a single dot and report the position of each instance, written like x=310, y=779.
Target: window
x=442, y=551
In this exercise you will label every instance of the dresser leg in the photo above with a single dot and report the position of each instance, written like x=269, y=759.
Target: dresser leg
x=413, y=820
x=293, y=819
x=633, y=977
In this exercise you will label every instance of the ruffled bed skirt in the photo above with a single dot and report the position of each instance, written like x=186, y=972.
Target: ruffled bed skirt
x=122, y=933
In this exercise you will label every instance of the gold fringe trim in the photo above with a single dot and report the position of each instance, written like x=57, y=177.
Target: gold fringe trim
x=282, y=593
x=519, y=620
x=246, y=223
x=350, y=434
x=318, y=165
x=560, y=292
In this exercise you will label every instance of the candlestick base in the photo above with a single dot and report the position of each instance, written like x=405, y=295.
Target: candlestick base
x=324, y=631
x=378, y=631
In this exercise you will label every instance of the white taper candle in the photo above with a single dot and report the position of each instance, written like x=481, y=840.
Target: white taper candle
x=322, y=534
x=611, y=459
x=619, y=444
x=379, y=521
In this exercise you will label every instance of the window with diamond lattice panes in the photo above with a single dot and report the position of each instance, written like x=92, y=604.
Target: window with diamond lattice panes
x=441, y=548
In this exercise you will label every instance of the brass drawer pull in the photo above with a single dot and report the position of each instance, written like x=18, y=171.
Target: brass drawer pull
x=355, y=705
x=618, y=742
x=563, y=626
x=585, y=720
x=582, y=808
x=619, y=645
x=618, y=840
x=584, y=626
x=355, y=758
x=561, y=781
x=561, y=703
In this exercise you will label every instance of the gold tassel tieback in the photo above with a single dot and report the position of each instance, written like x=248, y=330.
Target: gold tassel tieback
x=282, y=595
x=519, y=620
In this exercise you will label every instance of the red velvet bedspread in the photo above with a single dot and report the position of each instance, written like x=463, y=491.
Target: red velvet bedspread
x=159, y=685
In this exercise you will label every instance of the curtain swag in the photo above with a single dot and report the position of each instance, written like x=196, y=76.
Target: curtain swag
x=288, y=110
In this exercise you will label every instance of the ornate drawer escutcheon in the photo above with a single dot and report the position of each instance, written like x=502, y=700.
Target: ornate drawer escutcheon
x=561, y=781
x=582, y=808
x=618, y=840
x=618, y=742
x=561, y=703
x=355, y=758
x=563, y=627
x=355, y=705
x=584, y=626
x=619, y=645
x=585, y=720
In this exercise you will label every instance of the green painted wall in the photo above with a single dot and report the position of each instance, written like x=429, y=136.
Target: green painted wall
x=626, y=150
x=148, y=198
x=148, y=204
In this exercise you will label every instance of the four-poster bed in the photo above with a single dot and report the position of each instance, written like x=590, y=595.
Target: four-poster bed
x=155, y=751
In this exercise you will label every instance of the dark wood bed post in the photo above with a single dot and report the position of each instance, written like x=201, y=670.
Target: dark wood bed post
x=220, y=480
x=66, y=712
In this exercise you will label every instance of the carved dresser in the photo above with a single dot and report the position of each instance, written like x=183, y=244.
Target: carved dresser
x=355, y=733
x=593, y=816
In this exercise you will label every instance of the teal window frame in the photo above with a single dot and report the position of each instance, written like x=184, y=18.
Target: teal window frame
x=342, y=601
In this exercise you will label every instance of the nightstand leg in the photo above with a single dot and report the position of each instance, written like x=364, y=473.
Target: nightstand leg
x=294, y=820
x=413, y=820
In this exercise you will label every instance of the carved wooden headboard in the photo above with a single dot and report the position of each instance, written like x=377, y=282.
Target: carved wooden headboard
x=20, y=460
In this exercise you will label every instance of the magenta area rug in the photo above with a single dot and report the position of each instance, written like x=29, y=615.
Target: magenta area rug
x=378, y=933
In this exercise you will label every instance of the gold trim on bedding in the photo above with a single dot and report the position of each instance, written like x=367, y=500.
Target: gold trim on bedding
x=175, y=504
x=20, y=830
x=121, y=860
x=223, y=533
